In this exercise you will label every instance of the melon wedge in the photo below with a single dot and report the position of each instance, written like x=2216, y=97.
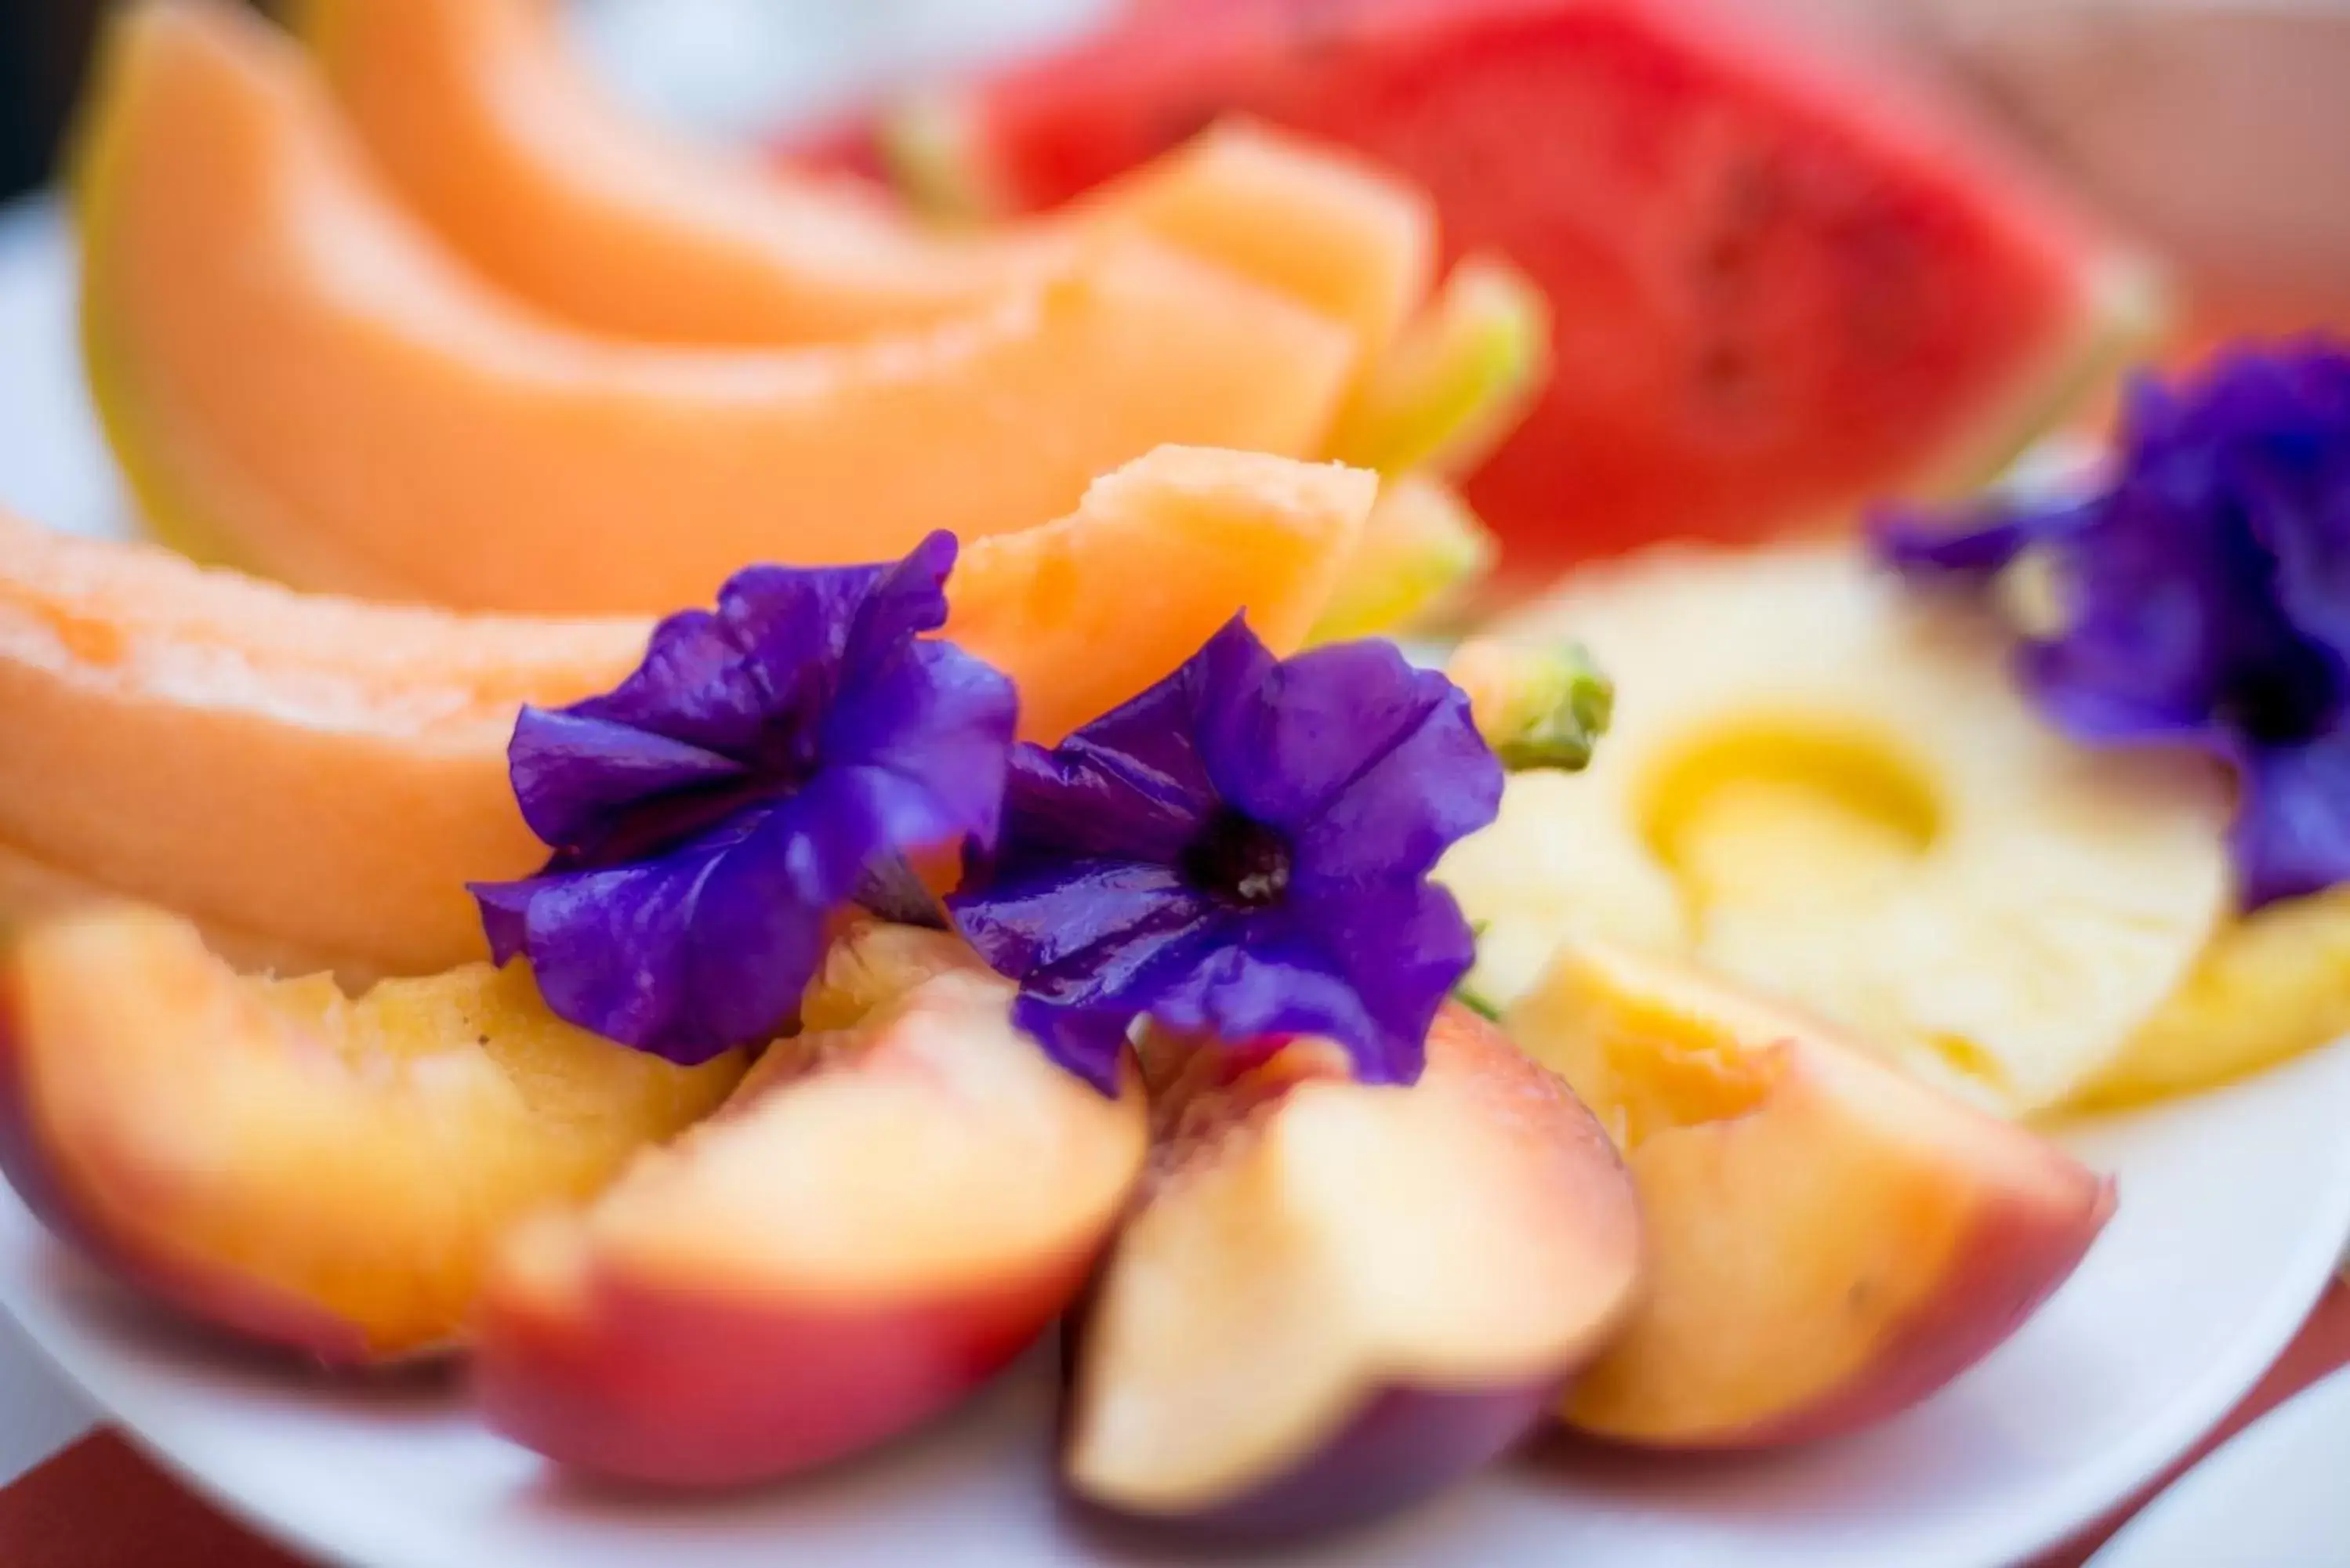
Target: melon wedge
x=480, y=117
x=487, y=125
x=294, y=375
x=314, y=779
x=1327, y=229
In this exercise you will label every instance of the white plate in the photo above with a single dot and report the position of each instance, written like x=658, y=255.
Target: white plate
x=2234, y=1208
x=2272, y=1498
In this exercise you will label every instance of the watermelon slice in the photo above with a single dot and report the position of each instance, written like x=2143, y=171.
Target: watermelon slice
x=1779, y=287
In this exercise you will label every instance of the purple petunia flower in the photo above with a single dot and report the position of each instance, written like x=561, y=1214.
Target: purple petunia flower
x=2206, y=597
x=1241, y=849
x=708, y=814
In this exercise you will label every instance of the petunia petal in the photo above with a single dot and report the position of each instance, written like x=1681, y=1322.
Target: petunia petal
x=799, y=630
x=2209, y=595
x=505, y=914
x=578, y=777
x=1273, y=982
x=1080, y=940
x=846, y=817
x=691, y=686
x=1284, y=751
x=1435, y=784
x=1111, y=896
x=1132, y=783
x=1089, y=1042
x=1079, y=930
x=765, y=761
x=1981, y=541
x=906, y=600
x=1402, y=948
x=2291, y=833
x=684, y=956
x=942, y=721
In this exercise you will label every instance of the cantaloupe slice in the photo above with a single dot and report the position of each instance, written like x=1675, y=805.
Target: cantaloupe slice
x=1331, y=231
x=294, y=374
x=486, y=126
x=489, y=128
x=314, y=779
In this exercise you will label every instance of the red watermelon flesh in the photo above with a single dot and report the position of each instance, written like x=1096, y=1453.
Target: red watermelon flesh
x=1780, y=288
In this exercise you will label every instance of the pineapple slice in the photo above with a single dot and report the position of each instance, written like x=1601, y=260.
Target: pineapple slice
x=2273, y=985
x=1826, y=787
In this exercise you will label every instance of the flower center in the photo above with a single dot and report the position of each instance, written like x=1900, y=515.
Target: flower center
x=2282, y=703
x=1239, y=860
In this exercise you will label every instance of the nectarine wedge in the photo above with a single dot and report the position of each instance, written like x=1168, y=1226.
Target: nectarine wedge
x=315, y=779
x=886, y=1213
x=1334, y=1299
x=300, y=1168
x=1830, y=1243
x=297, y=378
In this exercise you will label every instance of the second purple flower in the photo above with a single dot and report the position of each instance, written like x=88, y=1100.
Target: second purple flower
x=1243, y=850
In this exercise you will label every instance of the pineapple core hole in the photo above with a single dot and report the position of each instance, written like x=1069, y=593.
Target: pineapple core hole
x=1787, y=813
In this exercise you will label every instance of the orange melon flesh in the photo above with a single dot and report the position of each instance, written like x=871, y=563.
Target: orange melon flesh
x=307, y=768
x=1326, y=228
x=1085, y=612
x=296, y=376
x=314, y=779
x=488, y=127
x=477, y=113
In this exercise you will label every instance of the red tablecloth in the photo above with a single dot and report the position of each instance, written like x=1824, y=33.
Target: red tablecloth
x=102, y=1505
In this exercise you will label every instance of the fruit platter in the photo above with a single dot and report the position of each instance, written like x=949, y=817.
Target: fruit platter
x=1375, y=781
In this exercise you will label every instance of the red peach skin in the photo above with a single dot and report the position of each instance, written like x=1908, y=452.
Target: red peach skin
x=697, y=1388
x=241, y=1307
x=1830, y=1243
x=1337, y=1299
x=885, y=1216
x=291, y=1165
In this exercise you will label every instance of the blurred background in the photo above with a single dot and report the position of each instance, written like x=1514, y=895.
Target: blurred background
x=724, y=67
x=2219, y=129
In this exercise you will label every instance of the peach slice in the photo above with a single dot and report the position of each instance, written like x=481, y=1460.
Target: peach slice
x=298, y=1168
x=1336, y=1299
x=889, y=1210
x=1830, y=1243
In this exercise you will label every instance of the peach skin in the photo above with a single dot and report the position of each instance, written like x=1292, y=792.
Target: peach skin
x=892, y=1206
x=1830, y=1243
x=1336, y=1299
x=277, y=1160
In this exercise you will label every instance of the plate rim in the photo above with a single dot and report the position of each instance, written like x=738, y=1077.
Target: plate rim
x=2144, y=1528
